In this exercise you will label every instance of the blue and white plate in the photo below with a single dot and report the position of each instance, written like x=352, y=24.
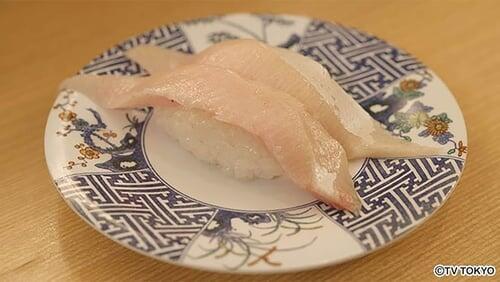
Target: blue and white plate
x=136, y=186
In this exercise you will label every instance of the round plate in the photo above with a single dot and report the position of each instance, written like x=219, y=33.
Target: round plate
x=135, y=185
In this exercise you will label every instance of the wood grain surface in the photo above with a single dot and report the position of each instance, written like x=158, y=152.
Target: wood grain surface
x=42, y=43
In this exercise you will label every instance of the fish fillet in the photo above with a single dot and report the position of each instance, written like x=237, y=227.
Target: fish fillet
x=307, y=154
x=306, y=80
x=158, y=59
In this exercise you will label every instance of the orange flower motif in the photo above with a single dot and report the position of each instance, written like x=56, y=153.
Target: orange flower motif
x=461, y=148
x=409, y=85
x=67, y=115
x=109, y=134
x=435, y=126
x=89, y=153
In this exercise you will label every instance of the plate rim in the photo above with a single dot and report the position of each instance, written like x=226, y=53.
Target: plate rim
x=290, y=269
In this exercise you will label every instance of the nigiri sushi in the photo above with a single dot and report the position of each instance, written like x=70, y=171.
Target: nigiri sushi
x=304, y=79
x=282, y=134
x=235, y=151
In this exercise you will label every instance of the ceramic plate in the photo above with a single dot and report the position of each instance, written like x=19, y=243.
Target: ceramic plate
x=136, y=186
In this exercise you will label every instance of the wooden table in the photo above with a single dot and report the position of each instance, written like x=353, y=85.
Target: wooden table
x=42, y=239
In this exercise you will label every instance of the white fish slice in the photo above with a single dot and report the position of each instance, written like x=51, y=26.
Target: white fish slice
x=306, y=80
x=304, y=150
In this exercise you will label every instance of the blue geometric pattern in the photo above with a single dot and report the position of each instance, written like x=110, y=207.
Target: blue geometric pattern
x=114, y=62
x=396, y=194
x=137, y=209
x=362, y=64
